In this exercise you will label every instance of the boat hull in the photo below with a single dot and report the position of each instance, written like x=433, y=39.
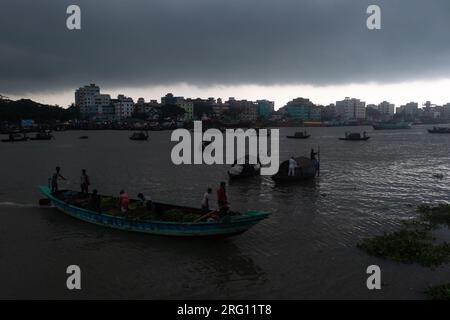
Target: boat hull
x=234, y=225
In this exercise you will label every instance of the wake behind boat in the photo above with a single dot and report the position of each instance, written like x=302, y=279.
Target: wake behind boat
x=160, y=219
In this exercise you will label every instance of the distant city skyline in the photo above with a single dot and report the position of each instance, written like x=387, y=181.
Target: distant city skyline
x=398, y=94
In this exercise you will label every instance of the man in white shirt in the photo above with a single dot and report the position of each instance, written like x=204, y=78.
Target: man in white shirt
x=292, y=166
x=205, y=200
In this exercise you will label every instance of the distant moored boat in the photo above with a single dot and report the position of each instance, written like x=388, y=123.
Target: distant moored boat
x=392, y=125
x=439, y=130
x=355, y=136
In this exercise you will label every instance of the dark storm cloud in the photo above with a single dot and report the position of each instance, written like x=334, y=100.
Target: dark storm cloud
x=205, y=42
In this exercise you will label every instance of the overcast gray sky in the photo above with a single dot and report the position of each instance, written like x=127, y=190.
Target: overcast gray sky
x=225, y=47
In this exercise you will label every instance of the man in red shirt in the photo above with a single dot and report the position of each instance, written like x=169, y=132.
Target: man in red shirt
x=222, y=200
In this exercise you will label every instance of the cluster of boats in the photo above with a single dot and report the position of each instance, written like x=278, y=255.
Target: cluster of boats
x=18, y=137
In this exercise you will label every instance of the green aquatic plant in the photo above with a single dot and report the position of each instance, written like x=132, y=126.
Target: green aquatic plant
x=441, y=292
x=414, y=242
x=407, y=246
x=435, y=215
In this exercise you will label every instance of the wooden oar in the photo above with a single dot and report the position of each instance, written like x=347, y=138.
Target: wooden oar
x=204, y=216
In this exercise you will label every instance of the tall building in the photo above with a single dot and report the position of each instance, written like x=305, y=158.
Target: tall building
x=409, y=109
x=124, y=107
x=92, y=104
x=248, y=110
x=387, y=109
x=188, y=107
x=301, y=109
x=265, y=108
x=351, y=109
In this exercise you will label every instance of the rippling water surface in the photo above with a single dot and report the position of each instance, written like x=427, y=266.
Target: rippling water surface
x=305, y=250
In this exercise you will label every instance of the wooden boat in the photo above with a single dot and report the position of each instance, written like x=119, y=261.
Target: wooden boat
x=140, y=136
x=306, y=170
x=355, y=137
x=245, y=170
x=138, y=221
x=16, y=138
x=299, y=135
x=439, y=130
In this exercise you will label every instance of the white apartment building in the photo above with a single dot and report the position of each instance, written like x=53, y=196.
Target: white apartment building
x=351, y=109
x=124, y=107
x=411, y=108
x=386, y=108
x=92, y=104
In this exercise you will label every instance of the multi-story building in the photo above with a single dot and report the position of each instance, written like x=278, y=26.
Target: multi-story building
x=301, y=109
x=386, y=109
x=248, y=110
x=409, y=109
x=351, y=109
x=92, y=104
x=445, y=112
x=188, y=107
x=124, y=107
x=265, y=108
x=170, y=99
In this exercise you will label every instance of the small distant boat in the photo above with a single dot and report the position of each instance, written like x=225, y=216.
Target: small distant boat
x=245, y=170
x=163, y=219
x=299, y=135
x=392, y=125
x=141, y=136
x=355, y=136
x=83, y=137
x=16, y=137
x=439, y=130
x=42, y=136
x=306, y=170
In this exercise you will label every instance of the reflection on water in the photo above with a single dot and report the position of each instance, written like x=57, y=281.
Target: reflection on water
x=305, y=250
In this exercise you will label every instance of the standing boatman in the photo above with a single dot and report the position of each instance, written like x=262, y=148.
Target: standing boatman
x=222, y=200
x=292, y=165
x=55, y=177
x=84, y=182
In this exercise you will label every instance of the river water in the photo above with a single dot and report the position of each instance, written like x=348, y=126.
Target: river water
x=305, y=250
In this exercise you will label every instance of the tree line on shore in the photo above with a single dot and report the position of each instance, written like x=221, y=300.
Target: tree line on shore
x=16, y=110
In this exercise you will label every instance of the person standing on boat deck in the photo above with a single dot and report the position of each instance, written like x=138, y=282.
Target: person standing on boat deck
x=313, y=154
x=124, y=200
x=222, y=199
x=292, y=165
x=205, y=200
x=84, y=182
x=55, y=177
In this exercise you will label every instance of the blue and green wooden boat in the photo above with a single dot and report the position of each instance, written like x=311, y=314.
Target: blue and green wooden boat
x=224, y=226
